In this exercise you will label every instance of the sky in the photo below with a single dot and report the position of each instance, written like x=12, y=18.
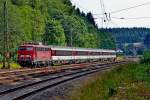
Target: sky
x=135, y=17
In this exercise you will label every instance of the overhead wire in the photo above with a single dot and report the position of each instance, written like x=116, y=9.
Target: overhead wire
x=107, y=16
x=125, y=9
x=117, y=11
x=130, y=18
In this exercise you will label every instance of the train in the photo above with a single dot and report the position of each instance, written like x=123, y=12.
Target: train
x=36, y=55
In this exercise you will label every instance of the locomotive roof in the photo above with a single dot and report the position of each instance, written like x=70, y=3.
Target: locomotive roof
x=70, y=48
x=30, y=45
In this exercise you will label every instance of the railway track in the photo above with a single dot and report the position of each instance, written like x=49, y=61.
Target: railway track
x=28, y=70
x=17, y=75
x=26, y=90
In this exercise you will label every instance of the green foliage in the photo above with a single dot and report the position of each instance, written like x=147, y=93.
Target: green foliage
x=146, y=57
x=130, y=81
x=13, y=65
x=82, y=37
x=106, y=40
x=54, y=33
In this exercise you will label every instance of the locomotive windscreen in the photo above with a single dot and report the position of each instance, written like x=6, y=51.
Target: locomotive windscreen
x=26, y=48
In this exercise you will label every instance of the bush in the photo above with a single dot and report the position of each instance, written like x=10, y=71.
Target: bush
x=146, y=57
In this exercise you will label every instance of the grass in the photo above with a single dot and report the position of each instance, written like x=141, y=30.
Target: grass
x=130, y=82
x=12, y=65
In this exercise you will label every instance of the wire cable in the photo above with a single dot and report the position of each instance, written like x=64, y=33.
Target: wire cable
x=125, y=9
x=128, y=18
x=144, y=4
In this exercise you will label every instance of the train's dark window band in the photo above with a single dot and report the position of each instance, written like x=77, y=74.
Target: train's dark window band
x=82, y=53
x=42, y=49
x=61, y=53
x=68, y=53
x=95, y=53
x=79, y=53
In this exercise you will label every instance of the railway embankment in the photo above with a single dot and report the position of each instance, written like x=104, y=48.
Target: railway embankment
x=130, y=81
x=64, y=90
x=33, y=83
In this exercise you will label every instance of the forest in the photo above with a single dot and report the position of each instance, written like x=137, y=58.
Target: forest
x=51, y=22
x=123, y=36
x=128, y=35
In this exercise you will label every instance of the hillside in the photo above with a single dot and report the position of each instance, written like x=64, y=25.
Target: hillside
x=128, y=35
x=126, y=38
x=49, y=21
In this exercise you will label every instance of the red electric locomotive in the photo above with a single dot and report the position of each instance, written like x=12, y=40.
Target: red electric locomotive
x=32, y=54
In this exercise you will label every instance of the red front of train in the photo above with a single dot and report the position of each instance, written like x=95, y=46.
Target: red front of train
x=33, y=54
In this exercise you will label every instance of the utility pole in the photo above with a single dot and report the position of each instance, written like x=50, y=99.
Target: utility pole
x=70, y=37
x=105, y=16
x=103, y=12
x=33, y=30
x=6, y=36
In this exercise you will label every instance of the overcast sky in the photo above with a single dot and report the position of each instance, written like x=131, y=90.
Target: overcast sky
x=113, y=5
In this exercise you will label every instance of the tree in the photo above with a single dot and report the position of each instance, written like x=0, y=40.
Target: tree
x=80, y=32
x=90, y=19
x=54, y=34
x=78, y=11
x=146, y=57
x=147, y=41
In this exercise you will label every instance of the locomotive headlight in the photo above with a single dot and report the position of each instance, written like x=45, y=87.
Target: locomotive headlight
x=22, y=56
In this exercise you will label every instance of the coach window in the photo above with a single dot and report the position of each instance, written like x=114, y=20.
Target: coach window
x=37, y=49
x=83, y=53
x=103, y=53
x=100, y=53
x=63, y=53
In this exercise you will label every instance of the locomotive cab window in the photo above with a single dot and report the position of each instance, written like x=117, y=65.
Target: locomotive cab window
x=22, y=48
x=29, y=48
x=26, y=48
